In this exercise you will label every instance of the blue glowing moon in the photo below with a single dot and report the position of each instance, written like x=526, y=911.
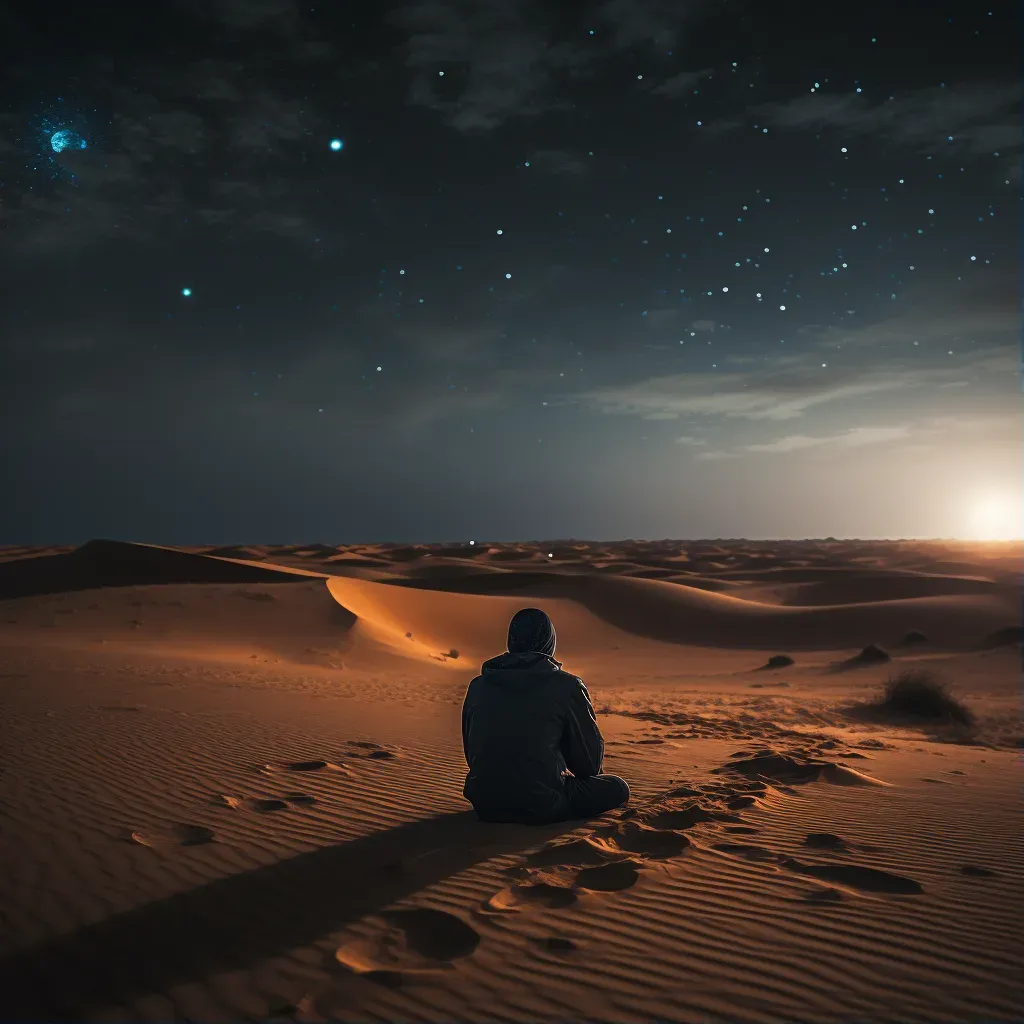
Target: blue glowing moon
x=337, y=144
x=66, y=139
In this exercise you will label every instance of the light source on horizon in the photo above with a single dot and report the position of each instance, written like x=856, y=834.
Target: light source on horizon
x=995, y=516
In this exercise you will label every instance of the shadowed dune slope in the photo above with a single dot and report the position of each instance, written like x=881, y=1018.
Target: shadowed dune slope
x=839, y=590
x=656, y=610
x=108, y=563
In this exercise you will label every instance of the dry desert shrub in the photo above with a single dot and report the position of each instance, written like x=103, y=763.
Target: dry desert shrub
x=920, y=695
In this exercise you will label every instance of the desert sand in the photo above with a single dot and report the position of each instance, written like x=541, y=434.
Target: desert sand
x=230, y=785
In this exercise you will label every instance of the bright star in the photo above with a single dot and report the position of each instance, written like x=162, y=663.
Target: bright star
x=186, y=292
x=337, y=144
x=66, y=139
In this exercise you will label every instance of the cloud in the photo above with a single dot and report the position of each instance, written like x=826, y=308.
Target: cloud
x=982, y=117
x=478, y=65
x=560, y=161
x=764, y=396
x=148, y=177
x=985, y=317
x=924, y=434
x=681, y=85
x=716, y=456
x=690, y=442
x=855, y=437
x=798, y=385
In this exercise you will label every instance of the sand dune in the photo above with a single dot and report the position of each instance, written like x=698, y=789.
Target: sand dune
x=675, y=614
x=103, y=563
x=226, y=795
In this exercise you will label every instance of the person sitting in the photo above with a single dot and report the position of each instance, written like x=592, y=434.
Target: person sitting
x=530, y=735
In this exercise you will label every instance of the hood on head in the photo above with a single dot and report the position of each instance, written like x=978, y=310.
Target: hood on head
x=531, y=631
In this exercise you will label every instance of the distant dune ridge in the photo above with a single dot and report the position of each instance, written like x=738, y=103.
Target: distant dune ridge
x=451, y=590
x=231, y=784
x=106, y=563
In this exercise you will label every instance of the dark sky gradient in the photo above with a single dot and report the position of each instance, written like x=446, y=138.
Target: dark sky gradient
x=659, y=178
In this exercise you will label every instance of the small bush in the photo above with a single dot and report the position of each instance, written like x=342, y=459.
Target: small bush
x=872, y=655
x=779, y=661
x=915, y=636
x=452, y=653
x=915, y=693
x=1004, y=637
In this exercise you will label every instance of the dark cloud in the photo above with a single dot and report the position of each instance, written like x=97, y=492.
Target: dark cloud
x=970, y=118
x=479, y=65
x=560, y=162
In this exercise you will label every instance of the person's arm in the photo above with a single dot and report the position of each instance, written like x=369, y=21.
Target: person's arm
x=582, y=743
x=467, y=709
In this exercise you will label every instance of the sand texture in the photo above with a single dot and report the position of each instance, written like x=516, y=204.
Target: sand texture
x=230, y=785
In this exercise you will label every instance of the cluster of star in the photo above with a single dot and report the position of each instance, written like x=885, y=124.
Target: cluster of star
x=54, y=138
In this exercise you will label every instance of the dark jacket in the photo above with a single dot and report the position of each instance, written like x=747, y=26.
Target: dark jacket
x=524, y=722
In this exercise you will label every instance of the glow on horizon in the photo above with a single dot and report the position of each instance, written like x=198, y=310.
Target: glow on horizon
x=995, y=516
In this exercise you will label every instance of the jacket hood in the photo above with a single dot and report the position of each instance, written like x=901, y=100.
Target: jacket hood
x=532, y=630
x=527, y=665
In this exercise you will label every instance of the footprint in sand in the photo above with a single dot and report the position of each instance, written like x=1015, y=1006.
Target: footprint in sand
x=856, y=877
x=609, y=877
x=824, y=841
x=316, y=766
x=750, y=788
x=222, y=800
x=374, y=751
x=636, y=838
x=791, y=768
x=681, y=791
x=738, y=803
x=556, y=944
x=176, y=835
x=300, y=799
x=742, y=830
x=974, y=871
x=537, y=894
x=407, y=943
x=193, y=835
x=575, y=852
x=663, y=816
x=265, y=806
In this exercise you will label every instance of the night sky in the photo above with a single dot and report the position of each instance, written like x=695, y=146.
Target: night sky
x=439, y=269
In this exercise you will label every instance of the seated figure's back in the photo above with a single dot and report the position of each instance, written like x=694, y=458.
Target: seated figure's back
x=524, y=722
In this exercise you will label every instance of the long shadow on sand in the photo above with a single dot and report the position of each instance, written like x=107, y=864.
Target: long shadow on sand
x=235, y=922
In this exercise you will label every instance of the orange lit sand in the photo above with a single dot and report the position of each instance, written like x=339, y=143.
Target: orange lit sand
x=232, y=787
